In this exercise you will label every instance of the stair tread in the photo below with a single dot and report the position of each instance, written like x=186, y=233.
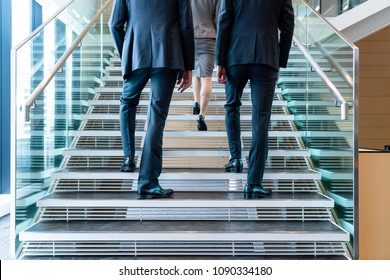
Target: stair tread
x=219, y=133
x=183, y=199
x=194, y=134
x=182, y=174
x=188, y=117
x=105, y=102
x=184, y=230
x=180, y=152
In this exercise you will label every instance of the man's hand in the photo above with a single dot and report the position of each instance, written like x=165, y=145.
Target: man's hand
x=221, y=74
x=185, y=81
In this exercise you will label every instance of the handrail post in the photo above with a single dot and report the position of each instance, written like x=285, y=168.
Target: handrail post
x=344, y=111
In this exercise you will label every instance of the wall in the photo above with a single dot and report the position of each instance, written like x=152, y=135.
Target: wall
x=374, y=207
x=374, y=99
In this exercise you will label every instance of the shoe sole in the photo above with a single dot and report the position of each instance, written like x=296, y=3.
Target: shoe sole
x=234, y=170
x=128, y=170
x=154, y=196
x=150, y=196
x=255, y=196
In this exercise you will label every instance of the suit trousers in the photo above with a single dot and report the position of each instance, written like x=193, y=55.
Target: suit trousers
x=262, y=83
x=162, y=82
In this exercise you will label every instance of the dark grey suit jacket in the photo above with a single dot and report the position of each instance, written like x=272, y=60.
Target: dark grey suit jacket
x=248, y=32
x=153, y=34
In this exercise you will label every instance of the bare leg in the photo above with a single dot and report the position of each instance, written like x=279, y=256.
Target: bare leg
x=205, y=94
x=196, y=85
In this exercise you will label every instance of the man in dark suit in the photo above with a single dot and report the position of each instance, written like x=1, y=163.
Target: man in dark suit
x=249, y=47
x=157, y=44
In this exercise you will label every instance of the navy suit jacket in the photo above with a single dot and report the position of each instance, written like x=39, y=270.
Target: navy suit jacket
x=153, y=34
x=248, y=32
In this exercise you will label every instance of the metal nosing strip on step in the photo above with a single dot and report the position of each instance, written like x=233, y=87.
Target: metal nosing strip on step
x=274, y=117
x=186, y=200
x=185, y=231
x=183, y=153
x=178, y=103
x=181, y=175
x=192, y=134
x=195, y=236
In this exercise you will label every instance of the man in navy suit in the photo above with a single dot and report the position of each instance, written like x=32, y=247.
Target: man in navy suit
x=253, y=40
x=155, y=40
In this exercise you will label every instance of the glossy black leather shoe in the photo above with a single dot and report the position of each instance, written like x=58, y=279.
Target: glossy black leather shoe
x=128, y=164
x=196, y=109
x=202, y=126
x=234, y=165
x=256, y=191
x=156, y=192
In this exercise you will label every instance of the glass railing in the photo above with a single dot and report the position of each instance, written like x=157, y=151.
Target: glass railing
x=332, y=8
x=331, y=139
x=56, y=113
x=39, y=142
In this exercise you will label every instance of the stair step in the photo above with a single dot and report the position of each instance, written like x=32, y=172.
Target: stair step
x=336, y=174
x=221, y=134
x=301, y=79
x=321, y=118
x=185, y=200
x=189, y=103
x=331, y=153
x=315, y=91
x=243, y=117
x=192, y=134
x=323, y=103
x=183, y=174
x=156, y=231
x=217, y=91
x=182, y=153
x=291, y=61
x=342, y=199
x=119, y=79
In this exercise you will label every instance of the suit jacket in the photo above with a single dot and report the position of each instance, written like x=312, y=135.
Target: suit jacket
x=158, y=33
x=248, y=32
x=205, y=16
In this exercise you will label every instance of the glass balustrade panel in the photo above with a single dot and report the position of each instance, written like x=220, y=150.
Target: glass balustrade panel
x=331, y=140
x=332, y=8
x=57, y=111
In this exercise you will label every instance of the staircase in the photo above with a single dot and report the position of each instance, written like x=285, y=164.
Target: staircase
x=92, y=210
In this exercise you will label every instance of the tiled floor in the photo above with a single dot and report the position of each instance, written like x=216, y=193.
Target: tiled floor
x=4, y=238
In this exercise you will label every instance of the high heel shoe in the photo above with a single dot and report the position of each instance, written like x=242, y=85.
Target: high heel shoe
x=201, y=123
x=196, y=109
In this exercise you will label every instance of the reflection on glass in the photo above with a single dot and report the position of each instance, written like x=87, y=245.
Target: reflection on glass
x=40, y=142
x=332, y=8
x=331, y=141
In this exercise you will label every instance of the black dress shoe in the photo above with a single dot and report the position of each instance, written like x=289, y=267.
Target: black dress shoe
x=256, y=191
x=128, y=164
x=156, y=192
x=234, y=165
x=201, y=124
x=196, y=109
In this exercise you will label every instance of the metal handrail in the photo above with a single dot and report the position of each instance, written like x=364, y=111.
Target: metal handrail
x=347, y=78
x=326, y=80
x=41, y=87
